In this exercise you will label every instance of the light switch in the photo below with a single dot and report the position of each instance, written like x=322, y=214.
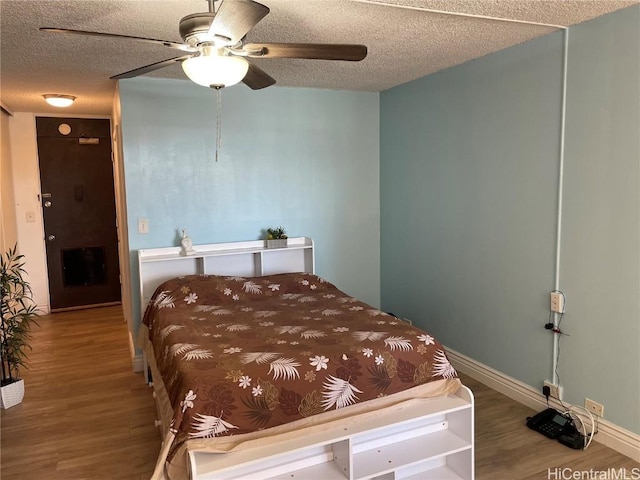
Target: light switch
x=143, y=225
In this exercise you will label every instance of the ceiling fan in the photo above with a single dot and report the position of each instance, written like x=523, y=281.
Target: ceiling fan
x=216, y=53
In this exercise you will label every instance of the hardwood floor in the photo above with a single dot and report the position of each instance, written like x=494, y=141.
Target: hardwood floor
x=86, y=415
x=507, y=449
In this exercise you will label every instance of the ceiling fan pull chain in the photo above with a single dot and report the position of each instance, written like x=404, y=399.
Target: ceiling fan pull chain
x=218, y=120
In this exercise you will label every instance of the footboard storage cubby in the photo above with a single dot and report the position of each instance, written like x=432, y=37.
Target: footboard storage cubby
x=426, y=439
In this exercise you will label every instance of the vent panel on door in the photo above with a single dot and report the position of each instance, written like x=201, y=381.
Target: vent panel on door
x=84, y=266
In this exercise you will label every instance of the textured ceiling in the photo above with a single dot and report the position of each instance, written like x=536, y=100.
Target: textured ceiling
x=406, y=39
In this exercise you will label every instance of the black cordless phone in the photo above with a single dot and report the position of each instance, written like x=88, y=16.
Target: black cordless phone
x=550, y=423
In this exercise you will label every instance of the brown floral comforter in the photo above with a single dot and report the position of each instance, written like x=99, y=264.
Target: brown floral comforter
x=244, y=354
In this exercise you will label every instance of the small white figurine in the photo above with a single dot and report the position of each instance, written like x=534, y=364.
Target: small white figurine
x=187, y=244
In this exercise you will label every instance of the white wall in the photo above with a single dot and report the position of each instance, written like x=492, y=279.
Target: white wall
x=121, y=212
x=8, y=227
x=26, y=185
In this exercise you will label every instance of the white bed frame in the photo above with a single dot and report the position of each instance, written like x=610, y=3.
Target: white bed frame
x=429, y=439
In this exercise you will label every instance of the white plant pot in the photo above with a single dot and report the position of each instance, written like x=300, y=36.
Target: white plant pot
x=277, y=243
x=11, y=394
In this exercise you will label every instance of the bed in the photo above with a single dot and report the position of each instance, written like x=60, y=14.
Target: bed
x=261, y=369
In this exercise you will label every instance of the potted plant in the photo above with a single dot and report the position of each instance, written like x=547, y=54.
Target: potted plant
x=17, y=315
x=276, y=237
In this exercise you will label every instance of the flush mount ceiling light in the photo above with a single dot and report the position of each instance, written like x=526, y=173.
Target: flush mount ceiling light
x=58, y=100
x=214, y=69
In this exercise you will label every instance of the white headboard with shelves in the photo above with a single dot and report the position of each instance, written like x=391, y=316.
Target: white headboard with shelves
x=244, y=259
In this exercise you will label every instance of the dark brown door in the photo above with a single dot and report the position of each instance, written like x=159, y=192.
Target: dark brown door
x=78, y=204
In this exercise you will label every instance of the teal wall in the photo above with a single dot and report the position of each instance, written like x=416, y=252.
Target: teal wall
x=469, y=195
x=469, y=174
x=302, y=158
x=600, y=261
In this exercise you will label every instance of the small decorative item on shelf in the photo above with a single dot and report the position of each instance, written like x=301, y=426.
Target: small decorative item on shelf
x=187, y=244
x=276, y=237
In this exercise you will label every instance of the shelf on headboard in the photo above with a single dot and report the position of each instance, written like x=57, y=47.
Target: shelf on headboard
x=245, y=259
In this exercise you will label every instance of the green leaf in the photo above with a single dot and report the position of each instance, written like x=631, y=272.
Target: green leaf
x=18, y=313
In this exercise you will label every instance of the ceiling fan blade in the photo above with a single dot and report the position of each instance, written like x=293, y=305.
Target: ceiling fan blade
x=257, y=78
x=314, y=51
x=235, y=18
x=164, y=43
x=149, y=68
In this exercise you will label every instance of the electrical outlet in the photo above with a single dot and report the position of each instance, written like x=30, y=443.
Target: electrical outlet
x=594, y=407
x=557, y=302
x=555, y=391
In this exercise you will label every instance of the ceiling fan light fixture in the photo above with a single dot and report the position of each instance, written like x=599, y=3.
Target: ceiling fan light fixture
x=215, y=70
x=58, y=100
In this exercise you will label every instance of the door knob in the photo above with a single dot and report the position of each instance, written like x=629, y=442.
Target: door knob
x=51, y=238
x=47, y=203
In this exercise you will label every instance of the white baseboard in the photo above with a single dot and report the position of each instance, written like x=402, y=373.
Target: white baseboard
x=609, y=434
x=138, y=363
